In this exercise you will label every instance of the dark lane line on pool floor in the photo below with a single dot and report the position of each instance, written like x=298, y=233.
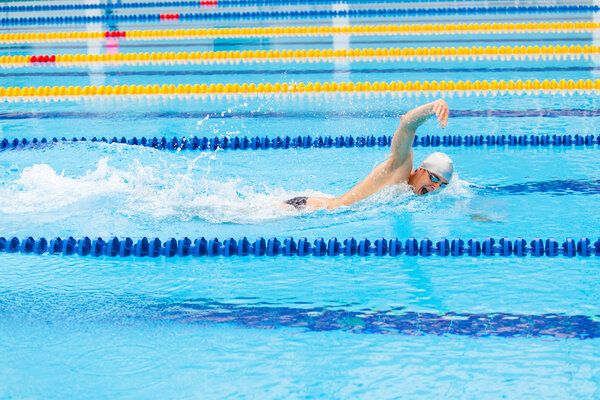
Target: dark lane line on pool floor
x=227, y=45
x=265, y=315
x=325, y=115
x=557, y=187
x=299, y=72
x=396, y=321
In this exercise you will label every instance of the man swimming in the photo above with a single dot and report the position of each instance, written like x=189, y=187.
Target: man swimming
x=434, y=173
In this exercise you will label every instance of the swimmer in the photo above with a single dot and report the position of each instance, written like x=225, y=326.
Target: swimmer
x=434, y=173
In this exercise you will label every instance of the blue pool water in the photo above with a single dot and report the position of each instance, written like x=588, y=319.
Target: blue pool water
x=292, y=327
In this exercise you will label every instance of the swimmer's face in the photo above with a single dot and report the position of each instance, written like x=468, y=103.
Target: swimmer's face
x=425, y=182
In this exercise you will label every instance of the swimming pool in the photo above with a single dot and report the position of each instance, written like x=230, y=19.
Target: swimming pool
x=296, y=327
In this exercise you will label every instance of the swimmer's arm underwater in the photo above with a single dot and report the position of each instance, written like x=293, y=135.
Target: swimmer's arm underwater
x=399, y=164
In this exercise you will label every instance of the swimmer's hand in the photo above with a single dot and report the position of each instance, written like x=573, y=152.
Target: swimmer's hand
x=416, y=117
x=440, y=109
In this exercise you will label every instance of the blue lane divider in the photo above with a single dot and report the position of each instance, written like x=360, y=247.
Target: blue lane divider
x=197, y=3
x=303, y=14
x=286, y=142
x=200, y=247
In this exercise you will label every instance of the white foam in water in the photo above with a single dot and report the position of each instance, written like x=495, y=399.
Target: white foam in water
x=148, y=192
x=400, y=198
x=145, y=191
x=41, y=188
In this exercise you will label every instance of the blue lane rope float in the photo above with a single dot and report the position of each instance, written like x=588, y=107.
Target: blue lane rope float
x=286, y=142
x=203, y=3
x=300, y=14
x=201, y=247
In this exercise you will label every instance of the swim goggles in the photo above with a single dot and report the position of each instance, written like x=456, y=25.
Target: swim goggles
x=435, y=179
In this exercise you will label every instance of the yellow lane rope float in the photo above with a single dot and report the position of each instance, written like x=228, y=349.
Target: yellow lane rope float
x=407, y=29
x=416, y=86
x=297, y=55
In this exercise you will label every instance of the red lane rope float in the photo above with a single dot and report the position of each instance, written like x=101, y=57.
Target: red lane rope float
x=42, y=59
x=113, y=34
x=169, y=16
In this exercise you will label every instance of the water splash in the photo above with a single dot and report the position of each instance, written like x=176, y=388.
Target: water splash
x=161, y=194
x=146, y=192
x=40, y=187
x=400, y=199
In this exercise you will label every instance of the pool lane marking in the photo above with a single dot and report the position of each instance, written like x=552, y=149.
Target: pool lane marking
x=396, y=321
x=312, y=317
x=308, y=41
x=322, y=13
x=289, y=55
x=326, y=115
x=405, y=29
x=484, y=86
x=205, y=3
x=290, y=72
x=195, y=143
x=290, y=247
x=146, y=4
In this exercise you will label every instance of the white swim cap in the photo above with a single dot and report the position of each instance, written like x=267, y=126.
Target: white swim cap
x=439, y=163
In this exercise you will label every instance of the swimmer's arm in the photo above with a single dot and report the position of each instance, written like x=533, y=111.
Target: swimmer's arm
x=377, y=179
x=405, y=134
x=397, y=166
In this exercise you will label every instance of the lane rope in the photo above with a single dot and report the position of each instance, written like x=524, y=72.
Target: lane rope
x=157, y=4
x=17, y=61
x=484, y=86
x=202, y=3
x=298, y=14
x=154, y=247
x=405, y=29
x=286, y=142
